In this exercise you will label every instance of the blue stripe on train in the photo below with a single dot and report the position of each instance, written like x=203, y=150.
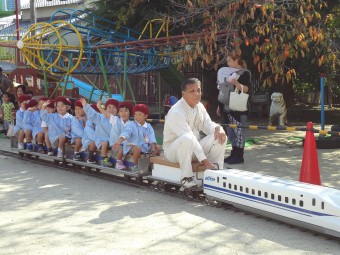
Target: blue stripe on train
x=266, y=201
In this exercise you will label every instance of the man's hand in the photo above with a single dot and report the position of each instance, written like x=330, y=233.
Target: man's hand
x=208, y=165
x=220, y=135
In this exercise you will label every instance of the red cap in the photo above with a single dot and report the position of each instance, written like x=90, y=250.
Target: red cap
x=141, y=108
x=43, y=99
x=78, y=103
x=113, y=102
x=64, y=100
x=23, y=98
x=127, y=105
x=51, y=104
x=31, y=103
x=94, y=106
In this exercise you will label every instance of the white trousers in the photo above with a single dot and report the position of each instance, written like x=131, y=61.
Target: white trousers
x=181, y=151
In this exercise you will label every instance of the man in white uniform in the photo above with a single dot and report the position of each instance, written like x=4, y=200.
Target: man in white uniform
x=184, y=125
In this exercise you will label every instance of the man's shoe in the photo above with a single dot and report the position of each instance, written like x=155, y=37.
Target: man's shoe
x=188, y=183
x=20, y=146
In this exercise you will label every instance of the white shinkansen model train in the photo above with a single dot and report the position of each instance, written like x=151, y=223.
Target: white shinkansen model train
x=306, y=205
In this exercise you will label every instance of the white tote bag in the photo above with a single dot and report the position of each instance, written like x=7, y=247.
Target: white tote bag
x=10, y=131
x=238, y=101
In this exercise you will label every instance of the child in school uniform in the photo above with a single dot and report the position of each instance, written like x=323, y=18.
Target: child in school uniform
x=59, y=123
x=32, y=125
x=41, y=100
x=103, y=126
x=6, y=110
x=119, y=122
x=19, y=117
x=88, y=139
x=50, y=108
x=77, y=129
x=138, y=136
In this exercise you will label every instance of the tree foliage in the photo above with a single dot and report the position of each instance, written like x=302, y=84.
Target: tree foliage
x=270, y=33
x=274, y=36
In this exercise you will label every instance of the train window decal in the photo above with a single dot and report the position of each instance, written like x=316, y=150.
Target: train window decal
x=272, y=195
x=290, y=208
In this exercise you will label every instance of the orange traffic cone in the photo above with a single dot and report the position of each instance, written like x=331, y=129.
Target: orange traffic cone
x=310, y=172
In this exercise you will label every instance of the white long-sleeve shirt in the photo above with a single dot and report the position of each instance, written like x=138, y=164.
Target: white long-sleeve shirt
x=182, y=119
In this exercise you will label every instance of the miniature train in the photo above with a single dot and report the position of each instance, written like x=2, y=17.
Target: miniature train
x=305, y=205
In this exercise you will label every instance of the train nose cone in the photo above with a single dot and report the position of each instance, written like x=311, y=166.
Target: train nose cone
x=20, y=44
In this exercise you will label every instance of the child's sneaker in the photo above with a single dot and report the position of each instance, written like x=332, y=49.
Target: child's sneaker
x=120, y=165
x=29, y=147
x=60, y=154
x=41, y=150
x=134, y=169
x=77, y=157
x=50, y=152
x=20, y=146
x=91, y=160
x=106, y=162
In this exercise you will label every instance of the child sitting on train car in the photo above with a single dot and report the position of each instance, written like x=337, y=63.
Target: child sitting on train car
x=32, y=125
x=50, y=108
x=59, y=123
x=88, y=139
x=41, y=100
x=19, y=117
x=118, y=122
x=138, y=136
x=77, y=128
x=103, y=126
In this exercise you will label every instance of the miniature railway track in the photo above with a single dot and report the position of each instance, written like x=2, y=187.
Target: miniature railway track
x=166, y=189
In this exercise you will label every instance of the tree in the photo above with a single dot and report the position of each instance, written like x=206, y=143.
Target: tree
x=270, y=33
x=273, y=36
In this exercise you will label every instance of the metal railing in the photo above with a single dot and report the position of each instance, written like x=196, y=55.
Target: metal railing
x=45, y=3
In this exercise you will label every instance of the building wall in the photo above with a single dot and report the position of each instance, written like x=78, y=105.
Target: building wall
x=44, y=12
x=8, y=5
